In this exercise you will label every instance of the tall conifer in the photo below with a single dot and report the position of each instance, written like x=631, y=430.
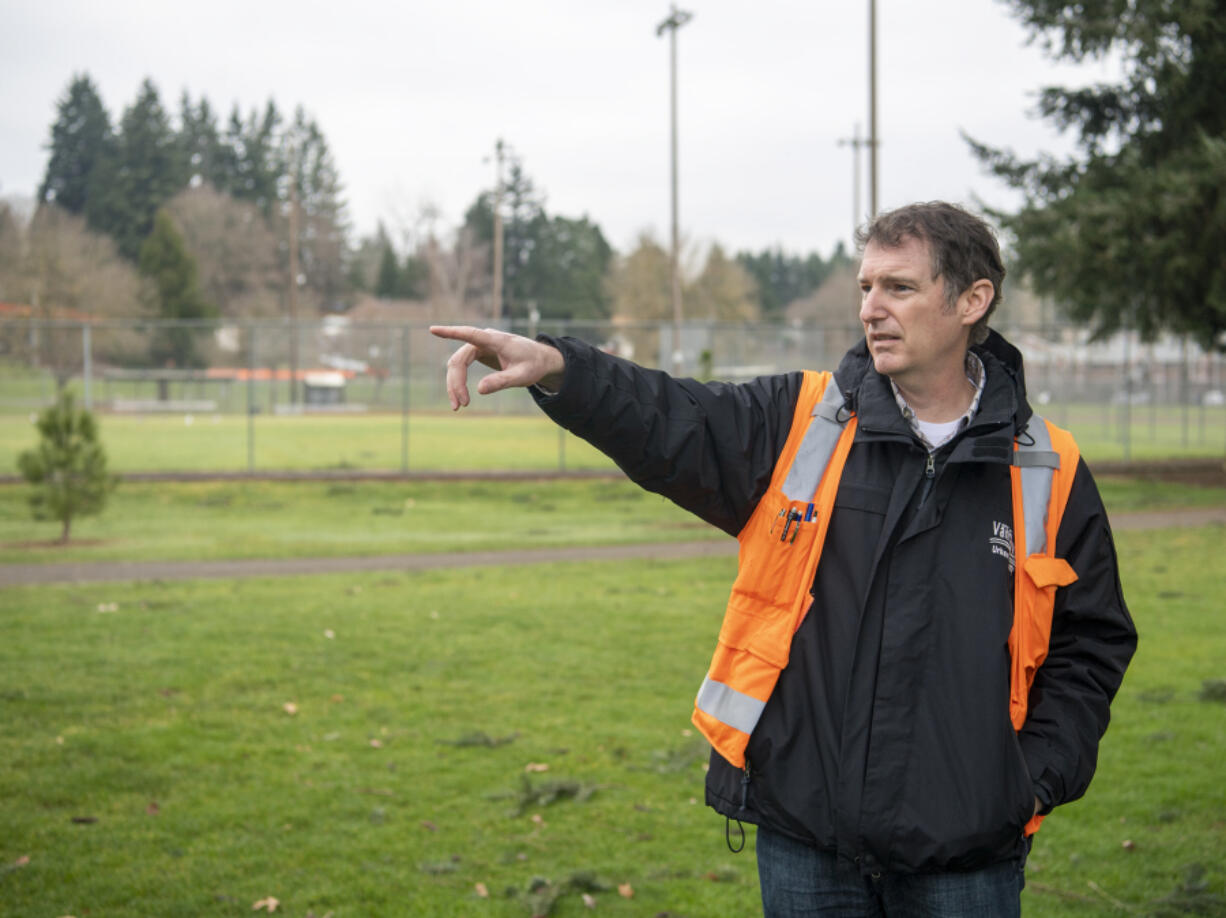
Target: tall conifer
x=80, y=138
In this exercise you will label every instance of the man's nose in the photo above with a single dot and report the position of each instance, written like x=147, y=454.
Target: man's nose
x=870, y=310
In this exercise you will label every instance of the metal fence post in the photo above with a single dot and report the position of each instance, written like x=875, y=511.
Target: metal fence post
x=1184, y=407
x=1126, y=418
x=404, y=399
x=87, y=366
x=251, y=399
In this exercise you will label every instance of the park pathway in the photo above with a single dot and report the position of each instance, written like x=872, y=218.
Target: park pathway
x=109, y=571
x=103, y=571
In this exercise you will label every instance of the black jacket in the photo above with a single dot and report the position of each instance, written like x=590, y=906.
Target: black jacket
x=887, y=739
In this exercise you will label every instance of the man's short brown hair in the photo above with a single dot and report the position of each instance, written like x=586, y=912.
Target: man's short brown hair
x=962, y=246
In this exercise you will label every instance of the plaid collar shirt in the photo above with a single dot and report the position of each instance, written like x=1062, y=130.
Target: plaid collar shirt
x=975, y=375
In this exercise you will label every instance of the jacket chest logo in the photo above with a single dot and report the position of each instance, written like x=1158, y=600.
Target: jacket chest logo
x=1001, y=542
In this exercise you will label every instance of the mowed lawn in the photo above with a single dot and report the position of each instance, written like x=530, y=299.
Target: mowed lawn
x=439, y=441
x=185, y=521
x=498, y=742
x=485, y=440
x=215, y=520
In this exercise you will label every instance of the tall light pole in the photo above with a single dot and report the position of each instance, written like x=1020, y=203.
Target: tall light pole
x=497, y=291
x=293, y=274
x=676, y=19
x=872, y=108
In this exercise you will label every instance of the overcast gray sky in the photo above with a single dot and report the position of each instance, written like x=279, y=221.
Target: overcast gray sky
x=413, y=95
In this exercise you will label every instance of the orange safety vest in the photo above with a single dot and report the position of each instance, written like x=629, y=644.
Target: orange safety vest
x=782, y=543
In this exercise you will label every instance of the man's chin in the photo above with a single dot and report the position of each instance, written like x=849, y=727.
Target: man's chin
x=885, y=364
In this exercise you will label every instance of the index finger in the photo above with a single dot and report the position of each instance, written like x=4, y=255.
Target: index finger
x=468, y=333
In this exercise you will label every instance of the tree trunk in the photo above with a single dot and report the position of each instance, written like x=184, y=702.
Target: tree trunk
x=64, y=531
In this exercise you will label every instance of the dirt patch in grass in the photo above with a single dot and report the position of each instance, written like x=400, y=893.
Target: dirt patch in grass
x=1207, y=473
x=53, y=544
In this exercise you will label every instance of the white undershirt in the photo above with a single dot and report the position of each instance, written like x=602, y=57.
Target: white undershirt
x=937, y=434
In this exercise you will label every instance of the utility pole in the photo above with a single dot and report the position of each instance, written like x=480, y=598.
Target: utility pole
x=872, y=108
x=856, y=142
x=497, y=289
x=293, y=276
x=676, y=19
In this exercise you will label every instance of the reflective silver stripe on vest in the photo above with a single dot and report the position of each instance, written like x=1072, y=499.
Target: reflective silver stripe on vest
x=728, y=706
x=1038, y=462
x=817, y=447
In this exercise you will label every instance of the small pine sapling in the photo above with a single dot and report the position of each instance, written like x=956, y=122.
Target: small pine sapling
x=68, y=466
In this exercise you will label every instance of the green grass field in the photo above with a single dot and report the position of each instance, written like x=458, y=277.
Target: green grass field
x=483, y=440
x=466, y=732
x=259, y=519
x=185, y=521
x=467, y=441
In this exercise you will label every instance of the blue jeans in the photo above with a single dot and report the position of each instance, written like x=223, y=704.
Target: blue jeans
x=803, y=882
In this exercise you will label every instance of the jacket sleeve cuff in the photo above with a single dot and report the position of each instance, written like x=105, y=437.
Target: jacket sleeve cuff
x=1044, y=795
x=572, y=399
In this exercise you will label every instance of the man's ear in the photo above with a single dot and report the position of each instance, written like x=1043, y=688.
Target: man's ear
x=975, y=300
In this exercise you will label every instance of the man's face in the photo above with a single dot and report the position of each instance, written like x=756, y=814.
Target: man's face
x=913, y=335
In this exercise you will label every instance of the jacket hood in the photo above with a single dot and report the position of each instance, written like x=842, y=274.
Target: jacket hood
x=1000, y=358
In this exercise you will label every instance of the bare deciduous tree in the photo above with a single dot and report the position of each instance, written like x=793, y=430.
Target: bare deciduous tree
x=65, y=273
x=235, y=252
x=459, y=276
x=640, y=283
x=724, y=291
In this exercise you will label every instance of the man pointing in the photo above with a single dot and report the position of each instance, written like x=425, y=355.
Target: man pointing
x=926, y=629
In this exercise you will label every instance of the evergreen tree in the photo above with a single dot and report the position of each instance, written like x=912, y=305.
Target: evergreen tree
x=566, y=271
x=409, y=280
x=322, y=225
x=414, y=277
x=366, y=260
x=251, y=158
x=80, y=138
x=1128, y=233
x=387, y=282
x=523, y=224
x=200, y=143
x=782, y=278
x=164, y=259
x=522, y=230
x=231, y=156
x=557, y=264
x=68, y=466
x=144, y=173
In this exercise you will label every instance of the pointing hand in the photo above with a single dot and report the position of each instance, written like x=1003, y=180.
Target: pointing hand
x=519, y=361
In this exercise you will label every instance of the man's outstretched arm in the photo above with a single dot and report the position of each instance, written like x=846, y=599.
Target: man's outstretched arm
x=518, y=361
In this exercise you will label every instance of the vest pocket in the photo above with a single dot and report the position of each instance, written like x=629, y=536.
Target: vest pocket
x=770, y=592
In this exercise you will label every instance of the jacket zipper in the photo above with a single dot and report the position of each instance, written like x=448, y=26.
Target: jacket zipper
x=930, y=474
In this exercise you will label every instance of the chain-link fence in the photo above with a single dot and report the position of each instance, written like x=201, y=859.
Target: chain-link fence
x=348, y=395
